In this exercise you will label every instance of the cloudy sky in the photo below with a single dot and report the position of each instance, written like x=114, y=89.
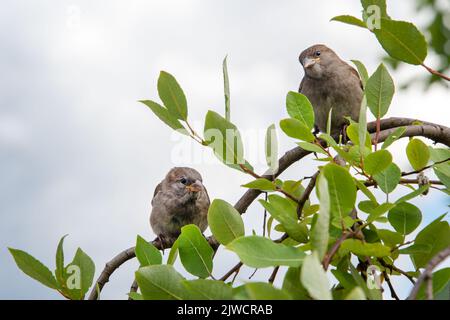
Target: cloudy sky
x=80, y=156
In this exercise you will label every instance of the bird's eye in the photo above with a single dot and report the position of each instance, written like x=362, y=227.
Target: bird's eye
x=317, y=53
x=183, y=180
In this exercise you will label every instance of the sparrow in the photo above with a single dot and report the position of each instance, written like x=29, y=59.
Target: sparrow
x=329, y=82
x=180, y=199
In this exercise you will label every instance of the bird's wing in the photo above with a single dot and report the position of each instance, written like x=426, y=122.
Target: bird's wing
x=301, y=85
x=353, y=70
x=157, y=189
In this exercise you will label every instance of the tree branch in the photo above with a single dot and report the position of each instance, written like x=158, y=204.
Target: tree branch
x=235, y=269
x=426, y=276
x=437, y=133
x=435, y=72
x=306, y=194
x=391, y=287
x=274, y=274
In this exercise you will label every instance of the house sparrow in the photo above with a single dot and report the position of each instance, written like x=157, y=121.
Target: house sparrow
x=329, y=83
x=179, y=199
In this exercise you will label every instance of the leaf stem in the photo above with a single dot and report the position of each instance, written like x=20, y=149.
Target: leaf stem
x=435, y=72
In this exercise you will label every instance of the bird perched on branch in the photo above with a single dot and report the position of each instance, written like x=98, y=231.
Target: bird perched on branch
x=329, y=83
x=179, y=199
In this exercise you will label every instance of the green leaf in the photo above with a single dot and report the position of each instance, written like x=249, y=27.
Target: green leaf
x=377, y=161
x=308, y=146
x=402, y=41
x=437, y=236
x=320, y=234
x=293, y=286
x=416, y=248
x=299, y=107
x=405, y=217
x=265, y=291
x=389, y=178
x=390, y=238
x=272, y=149
x=135, y=296
x=394, y=136
x=413, y=194
x=224, y=138
x=418, y=154
x=381, y=4
x=260, y=252
x=173, y=253
x=202, y=289
x=261, y=184
x=165, y=116
x=59, y=272
x=80, y=275
x=285, y=212
x=33, y=268
x=226, y=88
x=360, y=185
x=353, y=134
x=172, y=95
x=380, y=91
x=440, y=280
x=356, y=294
x=160, y=282
x=362, y=125
x=439, y=154
x=146, y=253
x=195, y=252
x=380, y=210
x=328, y=139
x=330, y=114
x=442, y=171
x=342, y=190
x=362, y=70
x=314, y=278
x=296, y=129
x=225, y=222
x=294, y=188
x=346, y=280
x=364, y=249
x=350, y=20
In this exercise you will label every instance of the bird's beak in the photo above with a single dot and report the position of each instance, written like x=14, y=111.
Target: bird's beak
x=195, y=187
x=308, y=62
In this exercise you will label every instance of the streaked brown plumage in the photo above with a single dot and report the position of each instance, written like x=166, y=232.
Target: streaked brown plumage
x=329, y=83
x=179, y=199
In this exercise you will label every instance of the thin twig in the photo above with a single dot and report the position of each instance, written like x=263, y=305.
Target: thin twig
x=265, y=217
x=231, y=271
x=437, y=259
x=373, y=183
x=274, y=274
x=401, y=245
x=394, y=268
x=429, y=290
x=329, y=256
x=306, y=194
x=134, y=288
x=391, y=288
x=435, y=72
x=424, y=168
x=253, y=273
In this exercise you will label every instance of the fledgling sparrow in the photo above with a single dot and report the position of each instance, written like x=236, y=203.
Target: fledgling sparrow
x=329, y=82
x=179, y=199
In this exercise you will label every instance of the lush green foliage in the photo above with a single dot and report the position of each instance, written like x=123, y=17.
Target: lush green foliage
x=327, y=236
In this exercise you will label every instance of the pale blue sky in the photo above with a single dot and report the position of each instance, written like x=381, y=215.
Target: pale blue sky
x=79, y=155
